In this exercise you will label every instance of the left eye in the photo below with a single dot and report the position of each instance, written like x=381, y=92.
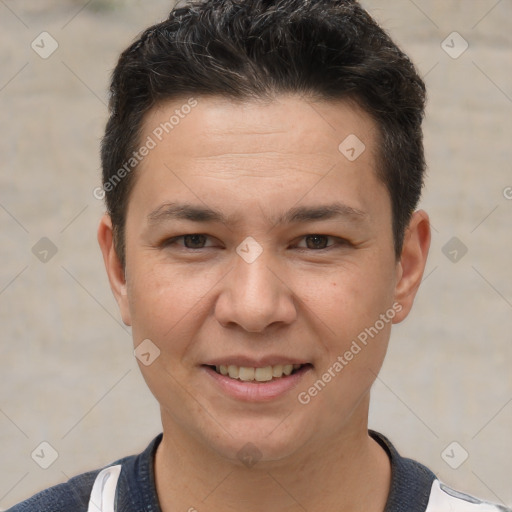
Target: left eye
x=317, y=241
x=193, y=241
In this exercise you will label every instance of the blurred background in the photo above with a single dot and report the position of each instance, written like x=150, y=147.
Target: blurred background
x=68, y=376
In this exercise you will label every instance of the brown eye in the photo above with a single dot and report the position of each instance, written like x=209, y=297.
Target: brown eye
x=316, y=241
x=190, y=241
x=195, y=241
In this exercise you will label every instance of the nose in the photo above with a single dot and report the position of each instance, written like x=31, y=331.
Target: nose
x=254, y=296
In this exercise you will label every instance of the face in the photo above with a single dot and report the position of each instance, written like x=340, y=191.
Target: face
x=257, y=245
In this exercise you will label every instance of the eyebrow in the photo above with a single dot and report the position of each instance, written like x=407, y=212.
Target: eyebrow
x=298, y=214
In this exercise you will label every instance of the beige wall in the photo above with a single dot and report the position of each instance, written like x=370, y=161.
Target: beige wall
x=68, y=375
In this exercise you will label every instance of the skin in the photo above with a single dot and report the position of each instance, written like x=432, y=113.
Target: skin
x=253, y=161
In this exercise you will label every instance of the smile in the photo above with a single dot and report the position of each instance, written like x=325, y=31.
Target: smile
x=263, y=374
x=259, y=382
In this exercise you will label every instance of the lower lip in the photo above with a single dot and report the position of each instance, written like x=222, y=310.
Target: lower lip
x=254, y=391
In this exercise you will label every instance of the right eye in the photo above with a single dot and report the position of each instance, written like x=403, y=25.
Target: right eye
x=190, y=241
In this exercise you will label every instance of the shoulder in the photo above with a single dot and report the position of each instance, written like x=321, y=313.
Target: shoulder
x=71, y=495
x=75, y=493
x=134, y=486
x=445, y=499
x=415, y=488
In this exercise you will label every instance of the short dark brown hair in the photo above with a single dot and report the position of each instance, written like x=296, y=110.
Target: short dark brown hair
x=323, y=49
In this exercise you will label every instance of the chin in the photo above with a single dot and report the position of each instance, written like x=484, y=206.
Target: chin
x=264, y=441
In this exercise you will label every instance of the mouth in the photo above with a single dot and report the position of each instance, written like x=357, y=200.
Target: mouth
x=261, y=374
x=250, y=380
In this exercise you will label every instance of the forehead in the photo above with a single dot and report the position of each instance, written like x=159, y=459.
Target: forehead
x=259, y=151
x=288, y=124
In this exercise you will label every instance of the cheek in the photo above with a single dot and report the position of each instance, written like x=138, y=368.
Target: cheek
x=354, y=333
x=348, y=300
x=163, y=300
x=354, y=341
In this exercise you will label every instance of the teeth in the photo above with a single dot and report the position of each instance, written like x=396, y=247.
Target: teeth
x=257, y=374
x=277, y=370
x=246, y=373
x=263, y=374
x=233, y=371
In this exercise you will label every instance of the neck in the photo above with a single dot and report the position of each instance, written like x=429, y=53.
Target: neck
x=351, y=472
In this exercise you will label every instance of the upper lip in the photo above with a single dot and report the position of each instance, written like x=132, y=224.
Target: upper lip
x=250, y=362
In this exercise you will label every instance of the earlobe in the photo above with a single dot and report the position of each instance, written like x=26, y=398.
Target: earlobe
x=113, y=266
x=412, y=262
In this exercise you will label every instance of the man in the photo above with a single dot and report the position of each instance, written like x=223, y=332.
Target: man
x=262, y=166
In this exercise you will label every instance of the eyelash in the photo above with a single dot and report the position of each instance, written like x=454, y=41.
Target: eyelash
x=339, y=242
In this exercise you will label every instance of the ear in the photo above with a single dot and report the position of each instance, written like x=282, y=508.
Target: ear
x=412, y=262
x=115, y=270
